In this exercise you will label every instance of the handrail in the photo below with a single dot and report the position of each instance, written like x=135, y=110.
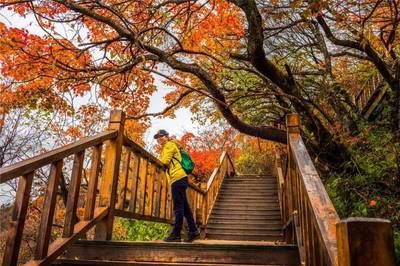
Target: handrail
x=149, y=196
x=73, y=229
x=143, y=153
x=324, y=239
x=302, y=192
x=369, y=96
x=136, y=148
x=31, y=164
x=225, y=167
x=322, y=208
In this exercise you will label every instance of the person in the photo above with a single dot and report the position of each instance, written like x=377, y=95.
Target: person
x=177, y=177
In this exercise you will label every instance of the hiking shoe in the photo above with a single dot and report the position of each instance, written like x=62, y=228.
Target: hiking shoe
x=172, y=238
x=192, y=236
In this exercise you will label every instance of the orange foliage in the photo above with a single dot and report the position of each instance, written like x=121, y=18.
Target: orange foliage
x=206, y=148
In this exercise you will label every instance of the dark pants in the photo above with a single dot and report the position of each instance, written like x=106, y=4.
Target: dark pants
x=181, y=206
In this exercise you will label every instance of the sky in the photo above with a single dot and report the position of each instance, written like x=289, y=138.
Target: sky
x=177, y=126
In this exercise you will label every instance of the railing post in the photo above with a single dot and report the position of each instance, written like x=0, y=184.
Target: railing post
x=293, y=124
x=292, y=128
x=365, y=241
x=204, y=209
x=16, y=226
x=109, y=183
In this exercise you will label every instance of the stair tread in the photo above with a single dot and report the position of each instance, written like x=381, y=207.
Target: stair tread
x=247, y=208
x=249, y=196
x=257, y=193
x=249, y=200
x=222, y=232
x=246, y=212
x=247, y=221
x=243, y=191
x=245, y=237
x=248, y=216
x=254, y=251
x=250, y=179
x=245, y=226
x=124, y=263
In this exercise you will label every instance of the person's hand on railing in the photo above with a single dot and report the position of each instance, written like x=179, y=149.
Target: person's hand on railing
x=196, y=177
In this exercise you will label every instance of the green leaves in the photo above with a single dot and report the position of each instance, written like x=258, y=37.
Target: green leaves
x=125, y=229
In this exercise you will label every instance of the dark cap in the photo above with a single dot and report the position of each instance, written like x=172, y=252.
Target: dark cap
x=161, y=133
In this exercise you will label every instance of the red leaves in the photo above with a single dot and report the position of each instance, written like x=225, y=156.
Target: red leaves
x=206, y=148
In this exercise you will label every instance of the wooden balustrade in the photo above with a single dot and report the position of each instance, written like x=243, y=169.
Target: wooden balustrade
x=370, y=96
x=224, y=168
x=311, y=220
x=25, y=170
x=143, y=191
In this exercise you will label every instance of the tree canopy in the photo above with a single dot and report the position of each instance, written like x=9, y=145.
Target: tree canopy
x=250, y=62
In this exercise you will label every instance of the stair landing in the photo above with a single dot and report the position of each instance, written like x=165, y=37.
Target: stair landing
x=200, y=252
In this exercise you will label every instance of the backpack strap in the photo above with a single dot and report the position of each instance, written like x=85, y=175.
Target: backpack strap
x=176, y=160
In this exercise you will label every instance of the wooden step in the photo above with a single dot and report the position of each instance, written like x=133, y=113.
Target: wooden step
x=250, y=179
x=252, y=190
x=250, y=216
x=240, y=194
x=249, y=187
x=247, y=237
x=246, y=204
x=249, y=190
x=65, y=262
x=246, y=212
x=260, y=209
x=252, y=182
x=218, y=209
x=253, y=176
x=247, y=196
x=161, y=253
x=235, y=201
x=276, y=222
x=244, y=226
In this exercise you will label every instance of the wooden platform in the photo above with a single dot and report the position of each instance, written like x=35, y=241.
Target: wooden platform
x=201, y=252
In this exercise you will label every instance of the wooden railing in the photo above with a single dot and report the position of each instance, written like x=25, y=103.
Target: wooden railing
x=311, y=220
x=224, y=169
x=44, y=251
x=370, y=95
x=124, y=180
x=143, y=190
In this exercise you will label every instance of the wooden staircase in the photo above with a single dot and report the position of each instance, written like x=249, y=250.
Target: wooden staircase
x=247, y=209
x=244, y=228
x=281, y=219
